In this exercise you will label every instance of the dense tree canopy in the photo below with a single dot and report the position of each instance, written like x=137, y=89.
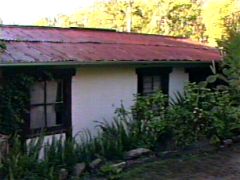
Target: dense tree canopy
x=202, y=20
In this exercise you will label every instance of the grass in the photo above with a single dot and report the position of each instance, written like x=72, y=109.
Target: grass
x=221, y=165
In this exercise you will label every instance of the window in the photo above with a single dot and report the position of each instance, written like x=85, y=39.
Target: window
x=198, y=74
x=50, y=103
x=47, y=105
x=151, y=84
x=151, y=80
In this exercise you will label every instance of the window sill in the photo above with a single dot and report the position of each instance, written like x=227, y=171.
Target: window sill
x=45, y=132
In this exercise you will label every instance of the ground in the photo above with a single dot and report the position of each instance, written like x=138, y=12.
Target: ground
x=221, y=165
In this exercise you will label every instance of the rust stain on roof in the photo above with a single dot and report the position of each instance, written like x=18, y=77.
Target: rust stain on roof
x=43, y=44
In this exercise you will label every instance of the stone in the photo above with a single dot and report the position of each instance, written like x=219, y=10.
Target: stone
x=79, y=168
x=236, y=139
x=227, y=142
x=169, y=154
x=120, y=165
x=222, y=147
x=95, y=163
x=63, y=174
x=136, y=153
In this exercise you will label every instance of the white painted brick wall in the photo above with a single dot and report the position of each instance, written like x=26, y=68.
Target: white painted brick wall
x=98, y=91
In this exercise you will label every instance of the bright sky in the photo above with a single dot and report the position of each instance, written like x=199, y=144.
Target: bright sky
x=28, y=12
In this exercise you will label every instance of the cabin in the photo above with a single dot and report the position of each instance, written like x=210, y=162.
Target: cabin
x=95, y=70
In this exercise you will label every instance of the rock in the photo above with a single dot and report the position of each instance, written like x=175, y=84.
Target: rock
x=136, y=153
x=79, y=168
x=222, y=147
x=120, y=165
x=236, y=139
x=169, y=154
x=63, y=174
x=95, y=163
x=227, y=142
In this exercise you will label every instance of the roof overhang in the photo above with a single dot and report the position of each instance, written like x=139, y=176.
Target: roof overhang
x=112, y=63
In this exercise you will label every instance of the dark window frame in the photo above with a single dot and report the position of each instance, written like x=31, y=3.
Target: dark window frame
x=198, y=74
x=162, y=72
x=65, y=75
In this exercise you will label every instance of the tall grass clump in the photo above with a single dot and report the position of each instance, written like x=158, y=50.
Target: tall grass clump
x=117, y=136
x=198, y=113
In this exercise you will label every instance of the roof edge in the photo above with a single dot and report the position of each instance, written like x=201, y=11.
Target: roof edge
x=57, y=27
x=108, y=63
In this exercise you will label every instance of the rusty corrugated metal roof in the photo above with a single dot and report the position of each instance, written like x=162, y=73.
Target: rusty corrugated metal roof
x=45, y=44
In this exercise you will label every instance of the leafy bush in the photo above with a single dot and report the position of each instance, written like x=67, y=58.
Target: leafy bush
x=21, y=164
x=199, y=113
x=204, y=113
x=150, y=124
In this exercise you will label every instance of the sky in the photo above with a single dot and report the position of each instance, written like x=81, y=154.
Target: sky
x=27, y=12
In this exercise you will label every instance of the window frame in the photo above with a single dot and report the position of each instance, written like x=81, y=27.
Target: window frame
x=65, y=75
x=198, y=74
x=162, y=72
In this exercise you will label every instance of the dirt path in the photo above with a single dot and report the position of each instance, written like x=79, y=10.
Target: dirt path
x=222, y=165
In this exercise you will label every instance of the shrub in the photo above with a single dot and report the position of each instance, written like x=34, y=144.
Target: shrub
x=150, y=125
x=204, y=113
x=21, y=164
x=199, y=113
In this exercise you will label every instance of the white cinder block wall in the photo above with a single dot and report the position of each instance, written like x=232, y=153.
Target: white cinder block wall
x=177, y=80
x=98, y=91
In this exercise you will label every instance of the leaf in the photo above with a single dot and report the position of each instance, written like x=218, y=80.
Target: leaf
x=203, y=84
x=212, y=78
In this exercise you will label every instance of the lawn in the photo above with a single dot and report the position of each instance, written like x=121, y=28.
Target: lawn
x=224, y=164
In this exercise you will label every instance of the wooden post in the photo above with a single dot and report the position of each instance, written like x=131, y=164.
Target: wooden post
x=4, y=146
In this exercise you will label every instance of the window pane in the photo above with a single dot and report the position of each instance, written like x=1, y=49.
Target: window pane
x=37, y=93
x=37, y=117
x=51, y=116
x=147, y=84
x=54, y=91
x=51, y=91
x=156, y=83
x=151, y=84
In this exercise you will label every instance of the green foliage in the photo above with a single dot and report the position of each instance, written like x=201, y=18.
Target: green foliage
x=204, y=113
x=2, y=45
x=60, y=153
x=111, y=172
x=166, y=17
x=196, y=19
x=21, y=164
x=116, y=138
x=200, y=113
x=213, y=14
x=150, y=123
x=14, y=100
x=230, y=45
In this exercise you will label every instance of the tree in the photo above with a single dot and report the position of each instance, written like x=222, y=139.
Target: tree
x=230, y=43
x=196, y=19
x=213, y=14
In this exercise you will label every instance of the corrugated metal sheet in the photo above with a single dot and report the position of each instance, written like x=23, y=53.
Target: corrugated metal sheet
x=40, y=45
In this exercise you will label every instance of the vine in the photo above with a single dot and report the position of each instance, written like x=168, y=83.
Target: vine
x=15, y=99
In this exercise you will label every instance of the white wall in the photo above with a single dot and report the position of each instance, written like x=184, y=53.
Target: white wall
x=177, y=80
x=98, y=91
